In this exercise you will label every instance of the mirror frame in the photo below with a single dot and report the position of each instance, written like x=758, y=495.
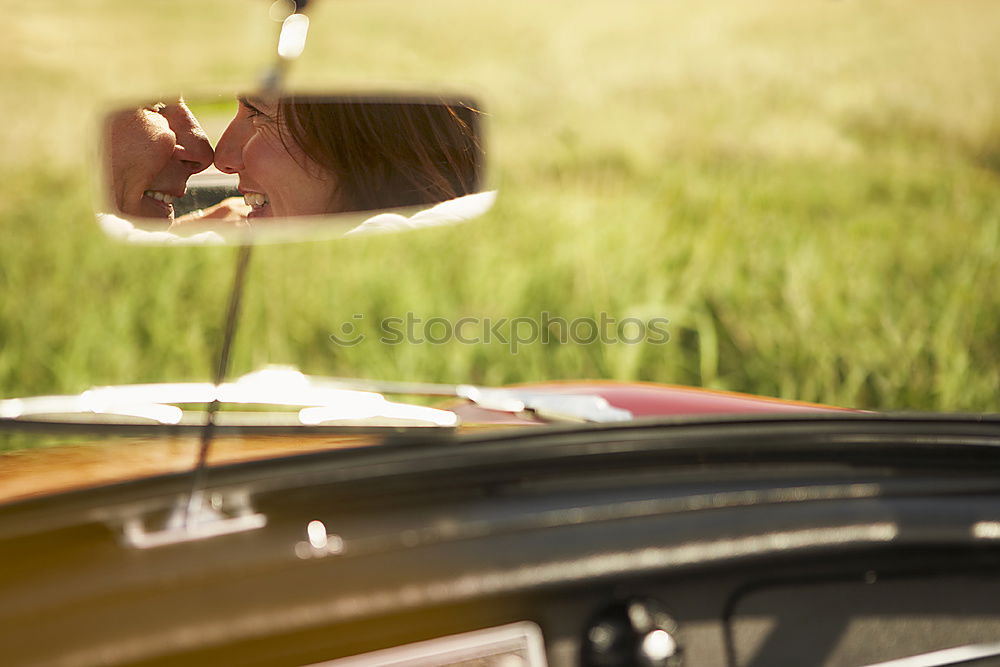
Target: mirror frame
x=300, y=228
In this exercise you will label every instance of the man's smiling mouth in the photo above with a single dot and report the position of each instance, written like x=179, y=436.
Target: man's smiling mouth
x=159, y=196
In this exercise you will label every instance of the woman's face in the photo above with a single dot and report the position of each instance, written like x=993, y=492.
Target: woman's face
x=277, y=179
x=153, y=152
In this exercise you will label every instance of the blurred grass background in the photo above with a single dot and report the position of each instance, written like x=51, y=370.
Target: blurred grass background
x=808, y=191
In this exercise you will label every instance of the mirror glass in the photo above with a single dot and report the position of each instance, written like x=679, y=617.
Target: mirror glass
x=253, y=168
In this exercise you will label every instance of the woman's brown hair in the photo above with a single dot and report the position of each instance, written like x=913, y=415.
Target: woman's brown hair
x=384, y=154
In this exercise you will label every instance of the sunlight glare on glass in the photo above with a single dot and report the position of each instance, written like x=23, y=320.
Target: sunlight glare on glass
x=317, y=534
x=292, y=41
x=164, y=414
x=658, y=645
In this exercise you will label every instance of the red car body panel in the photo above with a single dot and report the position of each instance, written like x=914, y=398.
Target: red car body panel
x=649, y=400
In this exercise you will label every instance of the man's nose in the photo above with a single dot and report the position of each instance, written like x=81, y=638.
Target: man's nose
x=229, y=150
x=191, y=146
x=194, y=151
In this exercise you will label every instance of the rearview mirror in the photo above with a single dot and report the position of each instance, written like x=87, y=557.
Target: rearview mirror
x=254, y=168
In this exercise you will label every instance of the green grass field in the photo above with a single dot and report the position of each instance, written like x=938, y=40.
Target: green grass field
x=808, y=191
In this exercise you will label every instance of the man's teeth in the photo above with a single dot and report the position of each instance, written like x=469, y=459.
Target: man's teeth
x=159, y=196
x=255, y=199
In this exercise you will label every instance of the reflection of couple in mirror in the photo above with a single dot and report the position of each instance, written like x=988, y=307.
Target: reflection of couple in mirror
x=295, y=156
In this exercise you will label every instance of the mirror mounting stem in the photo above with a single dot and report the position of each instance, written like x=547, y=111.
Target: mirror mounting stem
x=229, y=334
x=291, y=43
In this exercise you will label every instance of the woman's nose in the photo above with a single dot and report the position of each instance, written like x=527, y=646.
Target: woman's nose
x=229, y=150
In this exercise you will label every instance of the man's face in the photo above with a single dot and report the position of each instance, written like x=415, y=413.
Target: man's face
x=154, y=149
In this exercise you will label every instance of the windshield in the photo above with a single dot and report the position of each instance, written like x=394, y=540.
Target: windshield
x=793, y=201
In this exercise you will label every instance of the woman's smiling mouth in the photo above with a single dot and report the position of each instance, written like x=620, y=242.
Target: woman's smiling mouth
x=258, y=202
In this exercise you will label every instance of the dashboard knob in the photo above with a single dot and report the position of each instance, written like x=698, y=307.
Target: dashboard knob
x=637, y=631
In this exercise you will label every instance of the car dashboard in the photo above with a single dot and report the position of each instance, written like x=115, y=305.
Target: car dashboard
x=599, y=546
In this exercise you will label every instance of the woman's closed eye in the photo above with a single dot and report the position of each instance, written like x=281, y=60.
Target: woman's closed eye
x=252, y=111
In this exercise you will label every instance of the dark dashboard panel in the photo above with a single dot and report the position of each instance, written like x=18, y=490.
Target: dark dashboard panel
x=854, y=623
x=788, y=611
